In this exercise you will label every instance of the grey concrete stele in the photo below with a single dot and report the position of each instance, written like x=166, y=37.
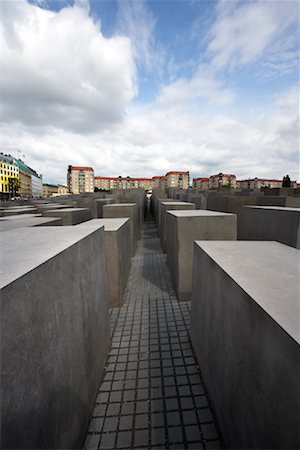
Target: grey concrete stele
x=123, y=210
x=183, y=228
x=34, y=221
x=270, y=223
x=117, y=255
x=289, y=202
x=70, y=216
x=54, y=334
x=245, y=333
x=165, y=206
x=100, y=202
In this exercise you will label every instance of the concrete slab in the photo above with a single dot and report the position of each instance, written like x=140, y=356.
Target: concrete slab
x=70, y=216
x=17, y=211
x=229, y=203
x=117, y=255
x=54, y=334
x=29, y=222
x=245, y=333
x=158, y=203
x=100, y=202
x=270, y=224
x=289, y=202
x=165, y=206
x=183, y=228
x=123, y=210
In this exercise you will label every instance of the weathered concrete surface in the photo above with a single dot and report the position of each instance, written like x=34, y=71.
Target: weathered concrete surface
x=289, y=202
x=269, y=223
x=18, y=210
x=70, y=216
x=159, y=202
x=54, y=334
x=245, y=332
x=137, y=196
x=100, y=202
x=50, y=206
x=229, y=203
x=21, y=222
x=123, y=210
x=183, y=228
x=117, y=255
x=165, y=206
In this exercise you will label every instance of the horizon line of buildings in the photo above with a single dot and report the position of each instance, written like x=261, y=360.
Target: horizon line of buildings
x=81, y=179
x=18, y=177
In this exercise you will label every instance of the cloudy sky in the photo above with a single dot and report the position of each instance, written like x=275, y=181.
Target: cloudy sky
x=143, y=87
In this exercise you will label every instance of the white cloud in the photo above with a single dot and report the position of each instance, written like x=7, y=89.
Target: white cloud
x=156, y=139
x=59, y=70
x=61, y=83
x=136, y=21
x=246, y=31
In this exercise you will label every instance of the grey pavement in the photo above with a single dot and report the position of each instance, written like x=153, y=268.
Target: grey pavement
x=152, y=395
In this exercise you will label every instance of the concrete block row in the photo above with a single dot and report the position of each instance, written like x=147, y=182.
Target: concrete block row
x=245, y=333
x=117, y=255
x=54, y=334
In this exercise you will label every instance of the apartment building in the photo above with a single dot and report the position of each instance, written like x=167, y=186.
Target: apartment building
x=25, y=185
x=9, y=176
x=200, y=183
x=257, y=183
x=222, y=180
x=158, y=182
x=106, y=183
x=80, y=179
x=49, y=190
x=177, y=179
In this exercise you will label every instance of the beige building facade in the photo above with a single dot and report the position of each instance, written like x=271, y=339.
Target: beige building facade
x=177, y=179
x=222, y=180
x=80, y=179
x=200, y=183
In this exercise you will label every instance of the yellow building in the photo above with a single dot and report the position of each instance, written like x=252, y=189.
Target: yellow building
x=9, y=176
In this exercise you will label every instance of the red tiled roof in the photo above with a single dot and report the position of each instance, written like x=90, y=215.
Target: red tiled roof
x=81, y=168
x=105, y=178
x=202, y=179
x=177, y=173
x=223, y=174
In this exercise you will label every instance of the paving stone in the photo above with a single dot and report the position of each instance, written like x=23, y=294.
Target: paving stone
x=157, y=436
x=152, y=395
x=108, y=441
x=124, y=439
x=96, y=425
x=141, y=438
x=92, y=442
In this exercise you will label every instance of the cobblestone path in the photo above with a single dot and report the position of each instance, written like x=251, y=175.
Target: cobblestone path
x=152, y=394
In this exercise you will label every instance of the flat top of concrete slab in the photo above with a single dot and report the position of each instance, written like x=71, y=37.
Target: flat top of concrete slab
x=109, y=224
x=53, y=205
x=198, y=213
x=69, y=210
x=116, y=205
x=26, y=222
x=178, y=203
x=17, y=209
x=277, y=208
x=268, y=272
x=24, y=249
x=20, y=217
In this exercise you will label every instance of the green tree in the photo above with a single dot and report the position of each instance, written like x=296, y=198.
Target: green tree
x=13, y=186
x=286, y=182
